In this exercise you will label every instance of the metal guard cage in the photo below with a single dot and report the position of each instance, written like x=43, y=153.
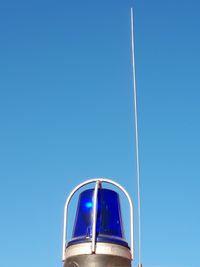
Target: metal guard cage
x=98, y=182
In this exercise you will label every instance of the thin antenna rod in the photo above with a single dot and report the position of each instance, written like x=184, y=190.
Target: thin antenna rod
x=136, y=140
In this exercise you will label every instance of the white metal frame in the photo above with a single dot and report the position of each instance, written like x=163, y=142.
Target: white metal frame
x=98, y=182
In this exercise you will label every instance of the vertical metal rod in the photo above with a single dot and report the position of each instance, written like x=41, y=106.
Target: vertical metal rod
x=136, y=140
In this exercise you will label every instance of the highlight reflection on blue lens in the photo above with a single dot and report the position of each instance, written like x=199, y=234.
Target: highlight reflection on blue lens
x=89, y=205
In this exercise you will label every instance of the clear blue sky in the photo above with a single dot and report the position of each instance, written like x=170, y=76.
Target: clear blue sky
x=66, y=115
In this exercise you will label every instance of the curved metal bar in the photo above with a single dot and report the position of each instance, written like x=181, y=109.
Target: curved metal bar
x=131, y=210
x=98, y=183
x=97, y=180
x=66, y=212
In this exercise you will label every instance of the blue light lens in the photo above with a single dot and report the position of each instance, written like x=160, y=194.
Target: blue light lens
x=109, y=226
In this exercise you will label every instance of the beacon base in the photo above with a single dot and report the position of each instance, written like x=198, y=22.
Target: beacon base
x=106, y=255
x=95, y=260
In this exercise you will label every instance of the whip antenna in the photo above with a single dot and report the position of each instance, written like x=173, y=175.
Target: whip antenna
x=136, y=141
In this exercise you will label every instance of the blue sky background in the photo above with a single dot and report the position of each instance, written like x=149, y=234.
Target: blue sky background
x=66, y=115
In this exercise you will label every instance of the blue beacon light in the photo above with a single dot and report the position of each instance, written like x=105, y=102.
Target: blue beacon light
x=109, y=226
x=98, y=235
